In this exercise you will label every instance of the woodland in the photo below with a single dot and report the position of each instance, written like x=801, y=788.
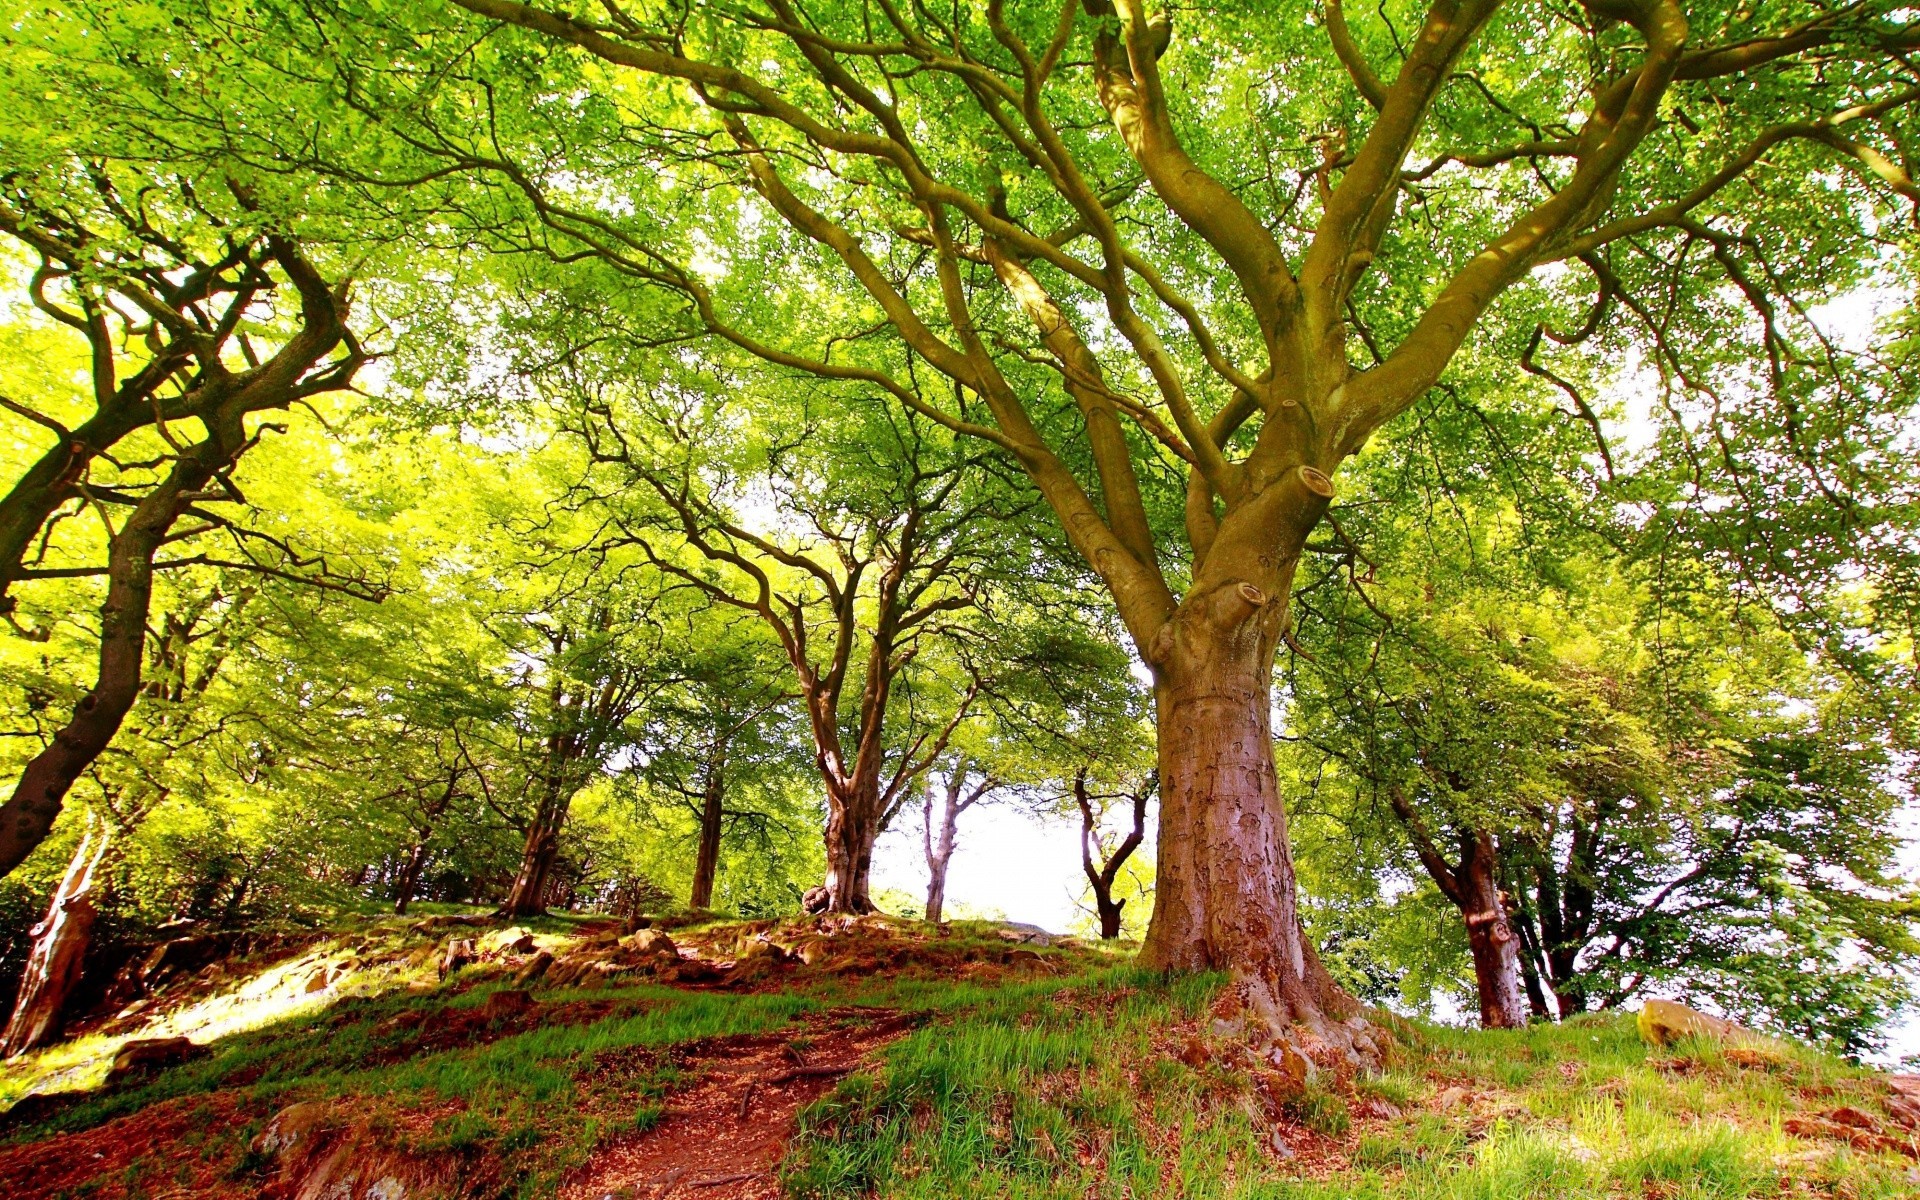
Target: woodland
x=1431, y=492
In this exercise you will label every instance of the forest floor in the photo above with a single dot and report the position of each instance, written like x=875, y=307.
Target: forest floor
x=837, y=1057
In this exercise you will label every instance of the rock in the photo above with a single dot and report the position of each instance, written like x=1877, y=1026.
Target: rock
x=1032, y=935
x=1664, y=1022
x=749, y=970
x=692, y=970
x=289, y=1127
x=141, y=1055
x=459, y=953
x=809, y=949
x=506, y=1004
x=316, y=982
x=535, y=968
x=762, y=948
x=520, y=945
x=36, y=1107
x=1281, y=1149
x=816, y=900
x=650, y=943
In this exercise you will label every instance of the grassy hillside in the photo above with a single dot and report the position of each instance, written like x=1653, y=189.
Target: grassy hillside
x=819, y=1059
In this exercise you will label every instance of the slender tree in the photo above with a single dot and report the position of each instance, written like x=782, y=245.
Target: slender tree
x=1102, y=857
x=940, y=812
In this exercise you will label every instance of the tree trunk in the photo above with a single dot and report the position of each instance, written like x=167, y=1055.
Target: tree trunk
x=37, y=798
x=1225, y=893
x=409, y=881
x=852, y=828
x=706, y=864
x=60, y=944
x=527, y=896
x=1490, y=936
x=939, y=847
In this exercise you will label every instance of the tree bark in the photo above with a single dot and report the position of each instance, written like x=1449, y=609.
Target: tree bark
x=938, y=847
x=60, y=944
x=706, y=864
x=1225, y=890
x=852, y=829
x=1490, y=936
x=527, y=896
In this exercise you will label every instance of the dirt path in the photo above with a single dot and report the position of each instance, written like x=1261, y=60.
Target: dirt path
x=725, y=1132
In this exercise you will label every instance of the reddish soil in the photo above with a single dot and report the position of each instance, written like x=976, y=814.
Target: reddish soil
x=133, y=1155
x=724, y=1133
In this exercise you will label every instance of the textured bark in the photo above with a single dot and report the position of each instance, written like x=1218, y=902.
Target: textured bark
x=60, y=944
x=1225, y=889
x=706, y=865
x=1490, y=936
x=527, y=896
x=851, y=831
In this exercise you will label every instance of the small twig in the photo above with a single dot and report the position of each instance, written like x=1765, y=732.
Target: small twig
x=813, y=1072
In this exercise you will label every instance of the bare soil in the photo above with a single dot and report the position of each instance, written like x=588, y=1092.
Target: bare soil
x=725, y=1132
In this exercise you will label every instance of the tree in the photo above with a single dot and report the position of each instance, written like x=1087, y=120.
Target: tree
x=187, y=653
x=949, y=163
x=168, y=328
x=724, y=728
x=1103, y=857
x=874, y=539
x=959, y=792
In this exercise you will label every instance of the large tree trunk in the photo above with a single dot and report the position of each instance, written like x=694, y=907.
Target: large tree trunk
x=527, y=896
x=1225, y=893
x=60, y=944
x=1490, y=936
x=408, y=884
x=706, y=864
x=852, y=829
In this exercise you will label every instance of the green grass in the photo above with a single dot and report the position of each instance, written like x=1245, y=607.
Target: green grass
x=1072, y=1083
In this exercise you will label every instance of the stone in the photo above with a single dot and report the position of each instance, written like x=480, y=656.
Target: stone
x=749, y=970
x=535, y=968
x=520, y=945
x=459, y=953
x=506, y=1004
x=289, y=1127
x=317, y=982
x=141, y=1055
x=1032, y=935
x=816, y=900
x=1664, y=1022
x=650, y=943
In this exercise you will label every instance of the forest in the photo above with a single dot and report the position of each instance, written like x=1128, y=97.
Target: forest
x=522, y=523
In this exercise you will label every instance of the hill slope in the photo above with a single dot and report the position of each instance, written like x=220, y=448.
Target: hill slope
x=829, y=1058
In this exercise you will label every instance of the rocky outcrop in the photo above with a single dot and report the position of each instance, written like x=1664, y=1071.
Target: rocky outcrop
x=143, y=1056
x=1664, y=1022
